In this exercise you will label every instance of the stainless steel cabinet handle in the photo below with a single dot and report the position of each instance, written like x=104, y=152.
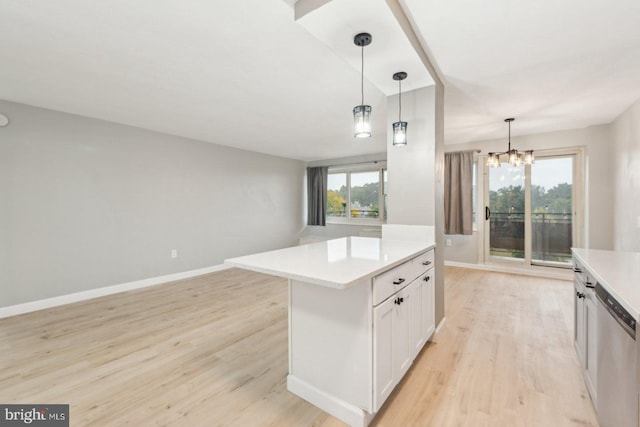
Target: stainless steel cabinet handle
x=426, y=263
x=398, y=281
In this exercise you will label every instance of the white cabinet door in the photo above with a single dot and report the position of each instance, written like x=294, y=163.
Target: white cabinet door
x=428, y=305
x=416, y=324
x=402, y=354
x=591, y=349
x=422, y=323
x=383, y=381
x=578, y=321
x=392, y=354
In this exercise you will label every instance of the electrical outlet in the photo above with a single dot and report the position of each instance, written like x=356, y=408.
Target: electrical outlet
x=449, y=242
x=174, y=253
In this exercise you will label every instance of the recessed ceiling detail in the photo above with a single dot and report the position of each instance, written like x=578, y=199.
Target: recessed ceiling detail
x=338, y=21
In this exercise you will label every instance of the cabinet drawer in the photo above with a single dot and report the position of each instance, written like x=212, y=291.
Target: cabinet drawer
x=392, y=281
x=423, y=262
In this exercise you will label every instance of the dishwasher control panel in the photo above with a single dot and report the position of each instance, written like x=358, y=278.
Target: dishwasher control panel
x=616, y=309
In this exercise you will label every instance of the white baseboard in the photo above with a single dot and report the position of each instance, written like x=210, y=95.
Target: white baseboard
x=546, y=272
x=346, y=412
x=31, y=306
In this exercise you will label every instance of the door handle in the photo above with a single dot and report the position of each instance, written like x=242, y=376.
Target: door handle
x=487, y=212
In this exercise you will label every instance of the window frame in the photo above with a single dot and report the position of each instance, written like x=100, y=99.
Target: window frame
x=578, y=208
x=380, y=168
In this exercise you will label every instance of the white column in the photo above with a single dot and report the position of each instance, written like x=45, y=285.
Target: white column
x=411, y=168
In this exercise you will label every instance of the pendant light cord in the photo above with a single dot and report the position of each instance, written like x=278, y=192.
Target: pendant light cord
x=509, y=137
x=362, y=74
x=399, y=100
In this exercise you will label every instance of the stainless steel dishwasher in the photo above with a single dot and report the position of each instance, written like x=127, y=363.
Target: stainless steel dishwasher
x=617, y=404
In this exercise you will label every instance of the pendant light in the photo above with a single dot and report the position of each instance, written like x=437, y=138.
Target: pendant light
x=362, y=113
x=513, y=156
x=400, y=127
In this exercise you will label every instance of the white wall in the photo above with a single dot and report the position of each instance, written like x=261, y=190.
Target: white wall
x=411, y=169
x=598, y=147
x=86, y=203
x=415, y=194
x=625, y=132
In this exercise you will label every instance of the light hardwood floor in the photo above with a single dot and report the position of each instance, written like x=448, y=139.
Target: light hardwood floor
x=212, y=351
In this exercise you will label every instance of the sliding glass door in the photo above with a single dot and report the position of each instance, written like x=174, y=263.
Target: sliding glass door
x=530, y=211
x=552, y=210
x=506, y=212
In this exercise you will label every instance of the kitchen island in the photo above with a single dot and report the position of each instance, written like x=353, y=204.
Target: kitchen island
x=360, y=310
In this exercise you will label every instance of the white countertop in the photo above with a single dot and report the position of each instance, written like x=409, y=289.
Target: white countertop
x=338, y=263
x=618, y=272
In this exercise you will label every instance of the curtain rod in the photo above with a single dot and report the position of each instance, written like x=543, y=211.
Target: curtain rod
x=477, y=150
x=374, y=162
x=370, y=162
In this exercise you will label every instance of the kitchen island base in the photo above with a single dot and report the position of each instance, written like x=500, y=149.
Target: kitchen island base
x=330, y=349
x=346, y=354
x=360, y=311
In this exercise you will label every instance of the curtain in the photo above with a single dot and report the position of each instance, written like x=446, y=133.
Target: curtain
x=317, y=195
x=458, y=192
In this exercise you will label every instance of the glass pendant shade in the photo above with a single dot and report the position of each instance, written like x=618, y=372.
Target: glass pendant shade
x=400, y=133
x=513, y=157
x=493, y=160
x=362, y=121
x=529, y=158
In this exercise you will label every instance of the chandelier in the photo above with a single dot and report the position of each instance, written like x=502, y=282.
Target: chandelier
x=513, y=156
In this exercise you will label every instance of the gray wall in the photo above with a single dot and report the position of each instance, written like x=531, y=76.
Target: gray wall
x=86, y=203
x=598, y=203
x=625, y=132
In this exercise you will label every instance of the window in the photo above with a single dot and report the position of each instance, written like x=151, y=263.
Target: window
x=356, y=195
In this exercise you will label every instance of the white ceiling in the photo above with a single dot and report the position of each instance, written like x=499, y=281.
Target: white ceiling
x=337, y=22
x=237, y=73
x=551, y=64
x=245, y=74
